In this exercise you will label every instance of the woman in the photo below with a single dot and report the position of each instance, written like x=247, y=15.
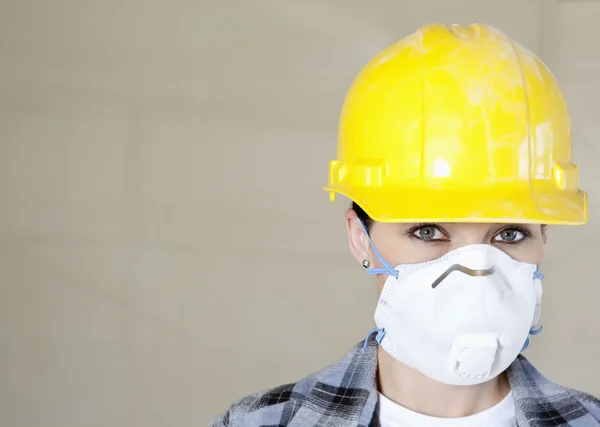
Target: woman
x=455, y=148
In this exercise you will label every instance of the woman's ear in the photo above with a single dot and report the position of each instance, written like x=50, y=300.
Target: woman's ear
x=357, y=238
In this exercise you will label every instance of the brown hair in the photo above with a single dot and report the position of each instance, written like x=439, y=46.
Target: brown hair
x=362, y=215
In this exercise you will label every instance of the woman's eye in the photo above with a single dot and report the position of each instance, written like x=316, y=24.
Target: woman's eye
x=428, y=233
x=509, y=236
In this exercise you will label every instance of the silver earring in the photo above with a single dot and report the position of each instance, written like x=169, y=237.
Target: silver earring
x=366, y=263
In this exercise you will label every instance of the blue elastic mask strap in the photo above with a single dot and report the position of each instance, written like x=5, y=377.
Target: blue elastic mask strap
x=387, y=268
x=378, y=338
x=537, y=275
x=531, y=332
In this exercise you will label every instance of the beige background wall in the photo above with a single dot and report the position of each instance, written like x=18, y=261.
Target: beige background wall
x=164, y=244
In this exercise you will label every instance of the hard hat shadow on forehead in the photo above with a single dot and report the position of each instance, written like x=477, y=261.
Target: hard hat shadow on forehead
x=457, y=124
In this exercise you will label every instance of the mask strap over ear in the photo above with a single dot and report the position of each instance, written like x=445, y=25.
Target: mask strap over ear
x=387, y=268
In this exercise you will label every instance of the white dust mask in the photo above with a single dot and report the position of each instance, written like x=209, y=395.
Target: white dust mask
x=461, y=319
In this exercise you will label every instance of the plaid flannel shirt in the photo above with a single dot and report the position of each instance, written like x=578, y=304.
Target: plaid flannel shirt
x=345, y=394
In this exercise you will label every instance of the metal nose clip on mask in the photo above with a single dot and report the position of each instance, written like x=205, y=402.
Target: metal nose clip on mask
x=461, y=319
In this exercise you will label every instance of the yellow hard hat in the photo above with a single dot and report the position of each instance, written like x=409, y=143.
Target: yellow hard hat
x=457, y=124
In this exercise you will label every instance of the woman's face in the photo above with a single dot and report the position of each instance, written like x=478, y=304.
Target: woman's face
x=400, y=243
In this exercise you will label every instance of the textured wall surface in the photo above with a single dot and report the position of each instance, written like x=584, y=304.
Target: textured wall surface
x=164, y=243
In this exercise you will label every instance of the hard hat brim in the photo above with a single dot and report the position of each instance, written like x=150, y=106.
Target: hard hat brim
x=478, y=206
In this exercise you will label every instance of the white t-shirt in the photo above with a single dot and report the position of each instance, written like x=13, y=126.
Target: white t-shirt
x=394, y=415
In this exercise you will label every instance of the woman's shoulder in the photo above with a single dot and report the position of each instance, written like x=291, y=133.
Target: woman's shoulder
x=589, y=402
x=266, y=407
x=539, y=398
x=251, y=403
x=338, y=392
